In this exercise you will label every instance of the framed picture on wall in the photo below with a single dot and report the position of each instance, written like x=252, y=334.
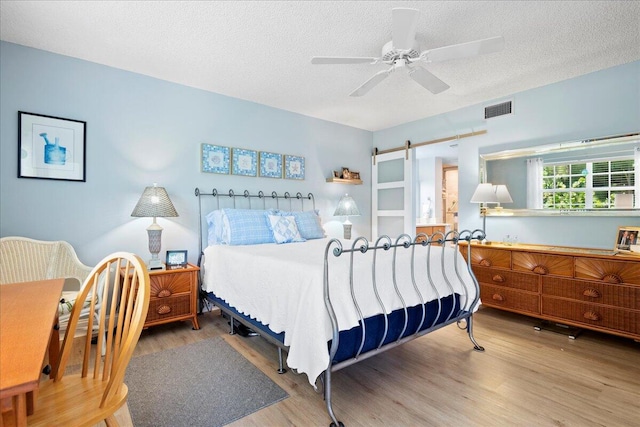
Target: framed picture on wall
x=293, y=167
x=244, y=162
x=51, y=147
x=270, y=165
x=627, y=240
x=215, y=159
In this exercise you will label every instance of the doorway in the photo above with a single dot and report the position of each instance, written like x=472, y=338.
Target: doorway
x=450, y=195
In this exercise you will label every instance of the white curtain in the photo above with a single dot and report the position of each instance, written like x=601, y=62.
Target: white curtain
x=637, y=174
x=534, y=183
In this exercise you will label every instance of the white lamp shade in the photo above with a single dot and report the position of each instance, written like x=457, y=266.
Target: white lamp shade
x=484, y=194
x=502, y=194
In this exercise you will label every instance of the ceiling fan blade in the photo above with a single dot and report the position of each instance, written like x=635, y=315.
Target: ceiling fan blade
x=427, y=80
x=464, y=50
x=403, y=30
x=341, y=60
x=369, y=84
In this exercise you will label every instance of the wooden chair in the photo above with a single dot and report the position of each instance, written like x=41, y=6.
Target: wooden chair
x=94, y=394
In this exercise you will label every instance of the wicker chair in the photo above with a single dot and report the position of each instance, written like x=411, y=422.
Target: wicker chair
x=25, y=260
x=94, y=394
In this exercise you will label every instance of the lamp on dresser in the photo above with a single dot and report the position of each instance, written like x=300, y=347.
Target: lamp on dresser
x=502, y=195
x=154, y=202
x=347, y=207
x=488, y=193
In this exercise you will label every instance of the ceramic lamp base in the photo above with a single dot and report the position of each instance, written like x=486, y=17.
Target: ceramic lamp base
x=155, y=264
x=347, y=231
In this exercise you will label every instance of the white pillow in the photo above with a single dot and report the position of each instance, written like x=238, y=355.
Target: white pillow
x=216, y=230
x=284, y=229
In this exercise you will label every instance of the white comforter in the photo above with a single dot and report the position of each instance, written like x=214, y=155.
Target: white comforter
x=282, y=286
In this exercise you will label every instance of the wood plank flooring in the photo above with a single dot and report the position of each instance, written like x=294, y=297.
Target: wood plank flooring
x=524, y=378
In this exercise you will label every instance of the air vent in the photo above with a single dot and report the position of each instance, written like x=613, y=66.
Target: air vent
x=497, y=110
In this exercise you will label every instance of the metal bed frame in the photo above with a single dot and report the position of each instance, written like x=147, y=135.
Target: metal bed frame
x=463, y=318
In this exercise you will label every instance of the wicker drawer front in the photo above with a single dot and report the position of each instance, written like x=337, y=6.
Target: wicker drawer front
x=543, y=264
x=162, y=308
x=593, y=315
x=487, y=257
x=608, y=271
x=511, y=279
x=505, y=298
x=164, y=285
x=594, y=292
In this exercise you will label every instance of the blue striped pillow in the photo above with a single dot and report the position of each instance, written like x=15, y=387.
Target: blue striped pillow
x=247, y=226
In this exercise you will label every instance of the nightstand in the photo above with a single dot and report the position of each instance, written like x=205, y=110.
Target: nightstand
x=174, y=296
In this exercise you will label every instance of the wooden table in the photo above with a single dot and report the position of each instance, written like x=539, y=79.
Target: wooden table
x=28, y=314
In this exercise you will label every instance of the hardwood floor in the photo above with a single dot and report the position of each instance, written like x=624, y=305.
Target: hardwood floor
x=524, y=378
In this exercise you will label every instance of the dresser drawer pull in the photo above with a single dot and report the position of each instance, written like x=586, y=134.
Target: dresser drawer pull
x=164, y=309
x=612, y=278
x=497, y=297
x=591, y=315
x=591, y=293
x=164, y=293
x=540, y=269
x=485, y=263
x=498, y=278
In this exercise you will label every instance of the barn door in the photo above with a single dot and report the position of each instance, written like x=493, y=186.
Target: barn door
x=393, y=195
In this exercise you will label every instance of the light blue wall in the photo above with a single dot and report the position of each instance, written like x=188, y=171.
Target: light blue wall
x=597, y=104
x=142, y=130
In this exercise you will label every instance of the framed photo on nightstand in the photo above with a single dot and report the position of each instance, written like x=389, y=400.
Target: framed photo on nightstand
x=176, y=259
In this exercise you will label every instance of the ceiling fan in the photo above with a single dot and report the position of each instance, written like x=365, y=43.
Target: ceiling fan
x=403, y=52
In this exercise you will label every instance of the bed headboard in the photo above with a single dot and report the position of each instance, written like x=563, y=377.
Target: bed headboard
x=244, y=200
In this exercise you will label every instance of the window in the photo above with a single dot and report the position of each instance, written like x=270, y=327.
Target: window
x=587, y=185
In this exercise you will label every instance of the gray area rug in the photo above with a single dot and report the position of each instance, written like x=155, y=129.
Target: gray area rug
x=204, y=384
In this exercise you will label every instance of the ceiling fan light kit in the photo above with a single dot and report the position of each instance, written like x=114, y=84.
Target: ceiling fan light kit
x=403, y=52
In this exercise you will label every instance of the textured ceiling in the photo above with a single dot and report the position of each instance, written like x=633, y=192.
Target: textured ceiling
x=261, y=51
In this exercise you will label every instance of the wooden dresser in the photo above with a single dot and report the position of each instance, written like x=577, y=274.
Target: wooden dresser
x=174, y=296
x=584, y=288
x=429, y=229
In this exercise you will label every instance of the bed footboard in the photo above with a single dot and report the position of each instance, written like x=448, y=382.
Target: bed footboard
x=395, y=327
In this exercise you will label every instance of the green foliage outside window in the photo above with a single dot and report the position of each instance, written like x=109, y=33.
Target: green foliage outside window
x=565, y=186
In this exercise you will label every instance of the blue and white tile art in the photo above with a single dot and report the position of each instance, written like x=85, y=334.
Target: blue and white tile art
x=245, y=162
x=215, y=159
x=293, y=167
x=270, y=165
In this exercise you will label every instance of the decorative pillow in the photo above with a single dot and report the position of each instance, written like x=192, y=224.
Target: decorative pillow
x=308, y=223
x=215, y=228
x=246, y=227
x=284, y=229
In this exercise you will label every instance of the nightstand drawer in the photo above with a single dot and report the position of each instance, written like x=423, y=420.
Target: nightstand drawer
x=165, y=308
x=167, y=284
x=174, y=296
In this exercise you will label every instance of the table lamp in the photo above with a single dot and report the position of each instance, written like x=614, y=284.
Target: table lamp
x=502, y=195
x=484, y=194
x=154, y=202
x=347, y=207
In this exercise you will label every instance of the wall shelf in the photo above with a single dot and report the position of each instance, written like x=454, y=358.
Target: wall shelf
x=345, y=181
